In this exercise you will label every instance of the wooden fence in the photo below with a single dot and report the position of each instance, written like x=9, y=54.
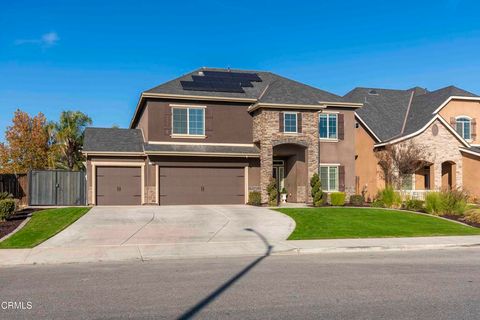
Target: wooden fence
x=17, y=185
x=46, y=187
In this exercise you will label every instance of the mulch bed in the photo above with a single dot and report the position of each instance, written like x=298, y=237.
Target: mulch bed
x=11, y=224
x=460, y=219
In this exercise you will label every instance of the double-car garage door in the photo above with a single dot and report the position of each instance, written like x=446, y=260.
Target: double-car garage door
x=212, y=185
x=177, y=185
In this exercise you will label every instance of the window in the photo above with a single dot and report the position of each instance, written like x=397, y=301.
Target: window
x=329, y=178
x=188, y=121
x=407, y=181
x=328, y=125
x=290, y=122
x=464, y=127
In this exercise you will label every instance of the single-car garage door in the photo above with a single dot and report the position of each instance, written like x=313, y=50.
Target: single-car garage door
x=118, y=186
x=186, y=185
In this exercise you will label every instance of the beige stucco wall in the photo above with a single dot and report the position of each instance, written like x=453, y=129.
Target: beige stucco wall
x=366, y=167
x=471, y=175
x=457, y=108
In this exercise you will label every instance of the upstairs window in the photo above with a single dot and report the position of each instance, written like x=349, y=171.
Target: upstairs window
x=328, y=126
x=464, y=127
x=188, y=121
x=290, y=122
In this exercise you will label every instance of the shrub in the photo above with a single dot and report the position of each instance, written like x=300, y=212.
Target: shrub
x=272, y=193
x=390, y=198
x=255, y=198
x=317, y=193
x=5, y=195
x=357, y=200
x=453, y=202
x=472, y=216
x=337, y=198
x=7, y=208
x=378, y=203
x=433, y=203
x=414, y=205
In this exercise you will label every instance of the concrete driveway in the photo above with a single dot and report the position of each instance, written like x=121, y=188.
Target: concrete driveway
x=137, y=226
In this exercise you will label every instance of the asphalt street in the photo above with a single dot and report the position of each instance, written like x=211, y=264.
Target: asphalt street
x=440, y=284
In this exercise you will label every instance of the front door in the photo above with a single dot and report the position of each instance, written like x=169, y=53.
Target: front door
x=279, y=173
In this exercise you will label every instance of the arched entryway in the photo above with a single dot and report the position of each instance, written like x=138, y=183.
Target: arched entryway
x=290, y=170
x=448, y=175
x=425, y=176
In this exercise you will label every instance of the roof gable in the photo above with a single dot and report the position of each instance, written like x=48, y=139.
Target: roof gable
x=386, y=111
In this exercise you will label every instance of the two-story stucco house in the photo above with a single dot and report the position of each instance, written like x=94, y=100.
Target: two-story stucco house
x=443, y=122
x=214, y=135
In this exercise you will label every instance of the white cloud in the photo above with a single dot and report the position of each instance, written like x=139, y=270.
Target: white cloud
x=46, y=40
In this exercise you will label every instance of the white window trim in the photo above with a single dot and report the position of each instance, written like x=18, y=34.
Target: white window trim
x=296, y=123
x=461, y=134
x=188, y=135
x=328, y=126
x=337, y=178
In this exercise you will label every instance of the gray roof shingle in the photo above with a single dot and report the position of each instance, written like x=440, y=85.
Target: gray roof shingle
x=279, y=89
x=184, y=148
x=385, y=111
x=113, y=140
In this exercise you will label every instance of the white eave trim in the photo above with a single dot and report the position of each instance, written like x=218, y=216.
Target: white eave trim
x=368, y=128
x=321, y=105
x=113, y=153
x=186, y=97
x=416, y=133
x=470, y=151
x=455, y=98
x=201, y=143
x=203, y=154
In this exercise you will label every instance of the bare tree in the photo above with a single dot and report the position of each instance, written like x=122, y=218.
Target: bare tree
x=400, y=160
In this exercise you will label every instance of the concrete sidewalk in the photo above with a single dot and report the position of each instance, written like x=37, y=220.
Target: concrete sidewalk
x=54, y=255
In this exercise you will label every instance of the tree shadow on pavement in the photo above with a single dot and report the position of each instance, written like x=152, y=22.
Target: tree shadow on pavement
x=217, y=292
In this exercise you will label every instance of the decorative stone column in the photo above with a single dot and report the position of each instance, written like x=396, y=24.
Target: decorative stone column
x=266, y=169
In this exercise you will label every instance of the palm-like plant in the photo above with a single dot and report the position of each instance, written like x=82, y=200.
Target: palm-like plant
x=67, y=135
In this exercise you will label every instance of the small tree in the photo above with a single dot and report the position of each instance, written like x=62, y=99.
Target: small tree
x=27, y=144
x=400, y=160
x=272, y=193
x=317, y=193
x=67, y=135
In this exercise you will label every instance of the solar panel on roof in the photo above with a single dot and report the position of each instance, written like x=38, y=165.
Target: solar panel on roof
x=226, y=74
x=221, y=81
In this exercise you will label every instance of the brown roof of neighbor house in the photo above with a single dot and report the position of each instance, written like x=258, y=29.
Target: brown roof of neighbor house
x=393, y=114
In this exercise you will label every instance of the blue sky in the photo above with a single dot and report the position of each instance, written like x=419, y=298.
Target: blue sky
x=97, y=56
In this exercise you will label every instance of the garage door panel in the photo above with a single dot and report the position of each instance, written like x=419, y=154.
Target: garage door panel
x=118, y=186
x=183, y=185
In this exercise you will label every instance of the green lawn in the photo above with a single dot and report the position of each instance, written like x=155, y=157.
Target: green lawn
x=43, y=225
x=336, y=223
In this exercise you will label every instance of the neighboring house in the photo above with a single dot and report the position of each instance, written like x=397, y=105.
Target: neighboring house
x=214, y=135
x=443, y=122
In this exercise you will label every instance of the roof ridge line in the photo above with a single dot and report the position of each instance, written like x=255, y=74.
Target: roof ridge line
x=406, y=113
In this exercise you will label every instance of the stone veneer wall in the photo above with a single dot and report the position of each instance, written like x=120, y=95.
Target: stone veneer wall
x=442, y=147
x=266, y=133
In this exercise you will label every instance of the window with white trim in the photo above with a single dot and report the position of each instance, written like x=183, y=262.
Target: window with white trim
x=290, y=122
x=188, y=121
x=329, y=178
x=328, y=126
x=464, y=127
